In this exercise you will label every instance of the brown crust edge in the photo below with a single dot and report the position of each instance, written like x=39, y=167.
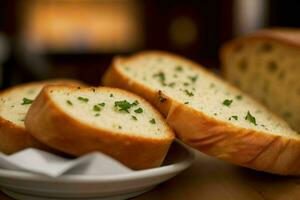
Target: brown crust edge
x=245, y=147
x=14, y=138
x=47, y=122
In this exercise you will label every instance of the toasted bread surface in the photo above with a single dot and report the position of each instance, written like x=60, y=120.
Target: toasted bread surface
x=15, y=103
x=77, y=121
x=208, y=113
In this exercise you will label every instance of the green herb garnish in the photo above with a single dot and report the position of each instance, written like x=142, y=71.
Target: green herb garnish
x=178, y=68
x=152, y=121
x=250, y=118
x=97, y=108
x=26, y=101
x=234, y=117
x=172, y=84
x=188, y=93
x=239, y=97
x=123, y=105
x=193, y=78
x=111, y=95
x=185, y=84
x=69, y=102
x=83, y=99
x=134, y=117
x=186, y=102
x=135, y=103
x=139, y=110
x=227, y=102
x=102, y=104
x=97, y=114
x=161, y=77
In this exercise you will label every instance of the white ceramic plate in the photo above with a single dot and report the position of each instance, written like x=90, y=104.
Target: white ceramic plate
x=28, y=186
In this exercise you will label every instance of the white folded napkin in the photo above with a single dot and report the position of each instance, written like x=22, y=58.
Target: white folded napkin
x=41, y=162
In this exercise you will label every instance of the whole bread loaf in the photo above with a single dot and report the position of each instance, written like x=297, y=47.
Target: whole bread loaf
x=266, y=64
x=208, y=113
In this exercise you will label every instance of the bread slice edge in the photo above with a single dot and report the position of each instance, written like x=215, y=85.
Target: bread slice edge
x=51, y=125
x=262, y=151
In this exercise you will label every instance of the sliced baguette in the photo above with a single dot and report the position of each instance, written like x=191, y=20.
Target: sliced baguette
x=14, y=104
x=113, y=121
x=265, y=64
x=208, y=113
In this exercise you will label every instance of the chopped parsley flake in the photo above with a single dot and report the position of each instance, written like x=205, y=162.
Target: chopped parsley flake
x=134, y=117
x=111, y=95
x=123, y=105
x=161, y=77
x=239, y=97
x=69, y=102
x=178, y=68
x=172, y=84
x=135, y=103
x=119, y=127
x=97, y=108
x=193, y=78
x=186, y=102
x=152, y=121
x=97, y=114
x=102, y=104
x=227, y=102
x=185, y=84
x=83, y=99
x=139, y=110
x=188, y=93
x=26, y=101
x=250, y=118
x=233, y=117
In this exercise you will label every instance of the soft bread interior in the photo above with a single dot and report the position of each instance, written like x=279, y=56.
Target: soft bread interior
x=201, y=90
x=270, y=72
x=101, y=108
x=16, y=102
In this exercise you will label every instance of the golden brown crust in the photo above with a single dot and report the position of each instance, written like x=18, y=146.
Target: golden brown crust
x=14, y=137
x=51, y=125
x=246, y=147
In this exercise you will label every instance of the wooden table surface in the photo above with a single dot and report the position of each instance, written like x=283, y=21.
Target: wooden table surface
x=212, y=179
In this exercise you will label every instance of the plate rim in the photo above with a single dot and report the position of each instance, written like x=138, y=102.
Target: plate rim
x=76, y=178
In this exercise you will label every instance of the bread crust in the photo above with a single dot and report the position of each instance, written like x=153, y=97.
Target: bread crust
x=51, y=125
x=246, y=147
x=13, y=137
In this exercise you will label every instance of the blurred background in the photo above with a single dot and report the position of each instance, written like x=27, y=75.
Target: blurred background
x=78, y=38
